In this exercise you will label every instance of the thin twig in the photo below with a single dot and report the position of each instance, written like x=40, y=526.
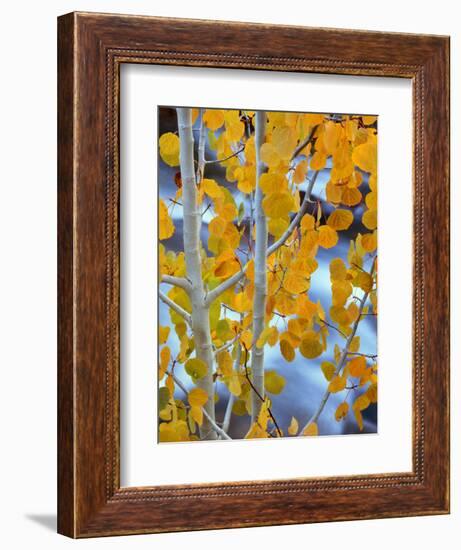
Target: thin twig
x=334, y=328
x=173, y=305
x=247, y=376
x=226, y=158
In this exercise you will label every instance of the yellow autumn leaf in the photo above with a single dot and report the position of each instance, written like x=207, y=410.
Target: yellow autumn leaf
x=287, y=351
x=334, y=192
x=197, y=397
x=233, y=385
x=361, y=403
x=234, y=130
x=340, y=219
x=197, y=414
x=273, y=382
x=211, y=188
x=357, y=366
x=247, y=339
x=305, y=308
x=165, y=355
x=163, y=333
x=365, y=156
x=268, y=335
x=358, y=418
x=213, y=119
x=370, y=219
x=278, y=226
x=341, y=411
x=169, y=148
x=269, y=155
x=300, y=172
x=217, y=226
x=351, y=196
x=372, y=393
x=310, y=346
x=338, y=270
x=318, y=161
x=328, y=370
x=370, y=241
x=363, y=280
x=166, y=225
x=337, y=384
x=307, y=222
x=371, y=200
x=340, y=291
x=284, y=141
x=295, y=282
x=224, y=360
x=293, y=427
x=272, y=182
x=196, y=368
x=173, y=431
x=311, y=430
x=278, y=205
x=328, y=237
x=339, y=315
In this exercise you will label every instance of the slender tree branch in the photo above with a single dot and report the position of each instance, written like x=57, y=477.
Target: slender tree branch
x=369, y=355
x=201, y=149
x=173, y=305
x=304, y=143
x=213, y=424
x=181, y=282
x=226, y=158
x=334, y=328
x=230, y=403
x=260, y=397
x=260, y=272
x=297, y=219
x=342, y=359
x=227, y=345
x=225, y=285
x=192, y=222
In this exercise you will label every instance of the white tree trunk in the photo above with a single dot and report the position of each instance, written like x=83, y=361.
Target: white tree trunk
x=192, y=222
x=260, y=278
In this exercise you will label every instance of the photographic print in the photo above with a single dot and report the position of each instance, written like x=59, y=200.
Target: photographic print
x=267, y=285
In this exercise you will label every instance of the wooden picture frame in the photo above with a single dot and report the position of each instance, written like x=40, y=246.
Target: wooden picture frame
x=92, y=48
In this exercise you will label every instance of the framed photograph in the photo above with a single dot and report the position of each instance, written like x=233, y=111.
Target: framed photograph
x=249, y=333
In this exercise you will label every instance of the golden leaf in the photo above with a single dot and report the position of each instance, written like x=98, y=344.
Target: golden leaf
x=351, y=196
x=293, y=427
x=357, y=366
x=166, y=226
x=169, y=148
x=278, y=205
x=370, y=219
x=337, y=384
x=328, y=237
x=213, y=118
x=273, y=382
x=311, y=430
x=341, y=411
x=328, y=369
x=287, y=350
x=340, y=219
x=163, y=333
x=310, y=346
x=197, y=397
